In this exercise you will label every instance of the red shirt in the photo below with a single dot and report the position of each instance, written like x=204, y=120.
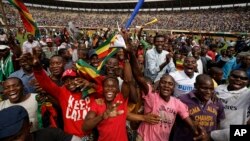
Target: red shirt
x=112, y=129
x=211, y=54
x=74, y=108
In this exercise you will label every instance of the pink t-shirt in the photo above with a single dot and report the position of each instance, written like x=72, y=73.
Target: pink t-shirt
x=167, y=111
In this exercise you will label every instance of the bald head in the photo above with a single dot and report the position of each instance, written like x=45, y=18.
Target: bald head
x=204, y=87
x=202, y=78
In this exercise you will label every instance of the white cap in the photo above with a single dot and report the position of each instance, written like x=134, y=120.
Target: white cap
x=2, y=47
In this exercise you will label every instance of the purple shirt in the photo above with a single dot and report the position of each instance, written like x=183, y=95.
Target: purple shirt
x=208, y=116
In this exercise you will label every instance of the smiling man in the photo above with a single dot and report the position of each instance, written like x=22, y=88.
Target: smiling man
x=184, y=80
x=202, y=109
x=158, y=61
x=235, y=98
x=13, y=88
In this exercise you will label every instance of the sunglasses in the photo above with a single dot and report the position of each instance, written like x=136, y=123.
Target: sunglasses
x=236, y=76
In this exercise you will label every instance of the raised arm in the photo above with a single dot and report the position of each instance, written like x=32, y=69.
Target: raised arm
x=44, y=81
x=137, y=73
x=128, y=90
x=140, y=33
x=106, y=33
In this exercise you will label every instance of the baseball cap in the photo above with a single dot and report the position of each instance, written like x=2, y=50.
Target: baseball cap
x=2, y=47
x=69, y=73
x=11, y=120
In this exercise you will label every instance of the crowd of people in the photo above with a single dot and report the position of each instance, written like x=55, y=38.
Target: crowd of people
x=219, y=20
x=150, y=87
x=159, y=87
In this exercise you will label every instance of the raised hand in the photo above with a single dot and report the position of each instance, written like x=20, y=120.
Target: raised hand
x=37, y=87
x=25, y=57
x=113, y=112
x=168, y=58
x=82, y=83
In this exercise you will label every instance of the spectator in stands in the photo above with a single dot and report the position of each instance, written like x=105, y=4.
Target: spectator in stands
x=25, y=73
x=201, y=64
x=230, y=62
x=67, y=58
x=184, y=80
x=13, y=89
x=121, y=57
x=212, y=51
x=245, y=63
x=158, y=61
x=235, y=97
x=160, y=103
x=207, y=61
x=74, y=106
x=93, y=58
x=111, y=114
x=204, y=111
x=82, y=53
x=56, y=68
x=49, y=49
x=41, y=56
x=43, y=41
x=216, y=74
x=6, y=62
x=29, y=44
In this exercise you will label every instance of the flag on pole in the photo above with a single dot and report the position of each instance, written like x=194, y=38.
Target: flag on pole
x=109, y=48
x=28, y=21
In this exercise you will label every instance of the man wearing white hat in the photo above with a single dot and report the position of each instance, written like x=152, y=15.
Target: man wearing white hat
x=6, y=63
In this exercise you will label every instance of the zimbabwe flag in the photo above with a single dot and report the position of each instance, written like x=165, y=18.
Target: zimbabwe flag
x=28, y=22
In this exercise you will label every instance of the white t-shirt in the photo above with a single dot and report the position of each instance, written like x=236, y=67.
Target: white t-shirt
x=200, y=66
x=237, y=109
x=120, y=82
x=27, y=46
x=30, y=105
x=236, y=105
x=183, y=83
